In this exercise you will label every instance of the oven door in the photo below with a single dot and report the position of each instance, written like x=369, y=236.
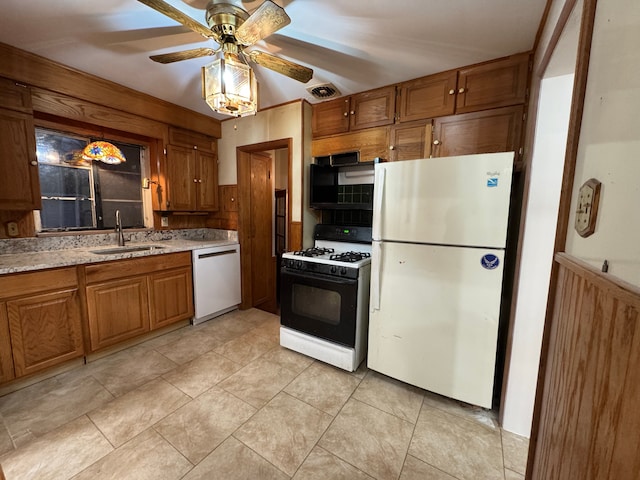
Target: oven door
x=319, y=305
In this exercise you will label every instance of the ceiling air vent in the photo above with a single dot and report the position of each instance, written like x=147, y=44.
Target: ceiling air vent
x=323, y=91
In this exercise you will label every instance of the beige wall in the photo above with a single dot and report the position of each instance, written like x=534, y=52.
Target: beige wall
x=609, y=148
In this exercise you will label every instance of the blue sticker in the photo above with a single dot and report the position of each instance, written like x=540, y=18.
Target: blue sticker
x=492, y=182
x=490, y=261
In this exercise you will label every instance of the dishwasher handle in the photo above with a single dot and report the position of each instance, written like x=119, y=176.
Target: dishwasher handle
x=216, y=254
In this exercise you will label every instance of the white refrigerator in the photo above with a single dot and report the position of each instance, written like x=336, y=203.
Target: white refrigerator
x=439, y=233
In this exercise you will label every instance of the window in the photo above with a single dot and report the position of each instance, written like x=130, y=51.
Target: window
x=77, y=194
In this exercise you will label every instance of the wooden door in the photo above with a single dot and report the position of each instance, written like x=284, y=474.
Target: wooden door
x=6, y=359
x=494, y=84
x=330, y=117
x=374, y=108
x=262, y=286
x=171, y=297
x=207, y=187
x=19, y=182
x=411, y=140
x=118, y=310
x=427, y=97
x=181, y=178
x=497, y=130
x=45, y=330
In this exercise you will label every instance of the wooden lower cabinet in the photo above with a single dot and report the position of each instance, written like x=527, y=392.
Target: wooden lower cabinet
x=40, y=321
x=118, y=310
x=6, y=359
x=127, y=298
x=171, y=297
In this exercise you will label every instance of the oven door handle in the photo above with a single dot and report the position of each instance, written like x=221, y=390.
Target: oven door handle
x=326, y=278
x=376, y=266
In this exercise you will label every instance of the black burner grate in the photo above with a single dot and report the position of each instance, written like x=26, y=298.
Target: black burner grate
x=314, y=252
x=350, y=256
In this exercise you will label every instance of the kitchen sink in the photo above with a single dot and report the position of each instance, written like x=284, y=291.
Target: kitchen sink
x=139, y=248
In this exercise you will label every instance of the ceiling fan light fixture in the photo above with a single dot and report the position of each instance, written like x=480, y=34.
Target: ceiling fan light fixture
x=229, y=86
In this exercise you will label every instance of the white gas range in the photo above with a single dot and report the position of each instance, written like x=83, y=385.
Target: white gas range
x=324, y=300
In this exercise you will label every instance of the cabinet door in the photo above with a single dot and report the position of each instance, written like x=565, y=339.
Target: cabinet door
x=6, y=360
x=118, y=310
x=171, y=297
x=330, y=117
x=495, y=84
x=497, y=130
x=426, y=97
x=45, y=330
x=14, y=96
x=207, y=187
x=371, y=143
x=373, y=109
x=410, y=141
x=181, y=178
x=19, y=183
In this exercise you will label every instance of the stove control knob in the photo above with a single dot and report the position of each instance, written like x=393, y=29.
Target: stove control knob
x=299, y=264
x=343, y=270
x=289, y=263
x=334, y=269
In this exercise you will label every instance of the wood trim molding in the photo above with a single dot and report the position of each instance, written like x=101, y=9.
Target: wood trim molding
x=41, y=72
x=295, y=236
x=573, y=139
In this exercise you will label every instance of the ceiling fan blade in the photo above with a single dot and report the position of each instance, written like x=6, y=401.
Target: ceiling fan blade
x=277, y=64
x=178, y=16
x=267, y=19
x=184, y=55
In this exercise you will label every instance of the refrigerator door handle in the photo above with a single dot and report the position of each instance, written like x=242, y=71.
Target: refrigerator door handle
x=378, y=192
x=376, y=266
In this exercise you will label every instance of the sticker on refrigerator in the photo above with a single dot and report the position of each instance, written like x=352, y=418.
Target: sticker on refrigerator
x=492, y=182
x=490, y=261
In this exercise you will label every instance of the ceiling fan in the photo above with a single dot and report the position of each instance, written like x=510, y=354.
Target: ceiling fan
x=233, y=29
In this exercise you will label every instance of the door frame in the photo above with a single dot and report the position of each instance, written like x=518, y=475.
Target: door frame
x=243, y=155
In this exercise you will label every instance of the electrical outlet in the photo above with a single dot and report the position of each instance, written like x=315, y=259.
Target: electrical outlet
x=12, y=229
x=164, y=221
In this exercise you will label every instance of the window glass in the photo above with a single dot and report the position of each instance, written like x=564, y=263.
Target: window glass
x=78, y=194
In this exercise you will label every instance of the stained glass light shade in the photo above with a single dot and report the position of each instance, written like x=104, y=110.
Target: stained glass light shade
x=229, y=87
x=103, y=152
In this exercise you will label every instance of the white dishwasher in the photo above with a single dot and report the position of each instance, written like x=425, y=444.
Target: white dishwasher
x=216, y=281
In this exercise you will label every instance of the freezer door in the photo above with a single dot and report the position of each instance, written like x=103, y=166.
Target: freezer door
x=435, y=321
x=450, y=200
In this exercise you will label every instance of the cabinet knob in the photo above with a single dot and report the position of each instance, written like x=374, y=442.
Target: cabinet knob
x=436, y=142
x=346, y=114
x=200, y=181
x=452, y=91
x=462, y=90
x=195, y=147
x=392, y=147
x=233, y=199
x=195, y=180
x=352, y=112
x=34, y=163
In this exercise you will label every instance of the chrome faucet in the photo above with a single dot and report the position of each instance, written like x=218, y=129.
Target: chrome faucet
x=119, y=229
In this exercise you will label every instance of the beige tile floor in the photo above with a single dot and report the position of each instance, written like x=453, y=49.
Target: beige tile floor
x=223, y=400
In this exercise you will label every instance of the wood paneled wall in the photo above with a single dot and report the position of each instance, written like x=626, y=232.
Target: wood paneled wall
x=589, y=412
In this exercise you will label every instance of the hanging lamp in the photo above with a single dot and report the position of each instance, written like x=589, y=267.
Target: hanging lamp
x=104, y=152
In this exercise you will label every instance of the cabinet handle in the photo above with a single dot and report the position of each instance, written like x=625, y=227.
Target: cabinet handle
x=195, y=147
x=200, y=181
x=34, y=163
x=462, y=90
x=436, y=142
x=352, y=112
x=392, y=147
x=195, y=180
x=452, y=91
x=346, y=114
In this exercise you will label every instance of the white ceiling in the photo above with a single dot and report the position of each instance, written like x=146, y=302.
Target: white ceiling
x=356, y=45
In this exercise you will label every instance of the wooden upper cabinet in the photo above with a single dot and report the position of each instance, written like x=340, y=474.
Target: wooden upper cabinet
x=6, y=359
x=371, y=143
x=330, y=117
x=494, y=84
x=410, y=140
x=426, y=97
x=373, y=108
x=19, y=182
x=192, y=172
x=496, y=130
